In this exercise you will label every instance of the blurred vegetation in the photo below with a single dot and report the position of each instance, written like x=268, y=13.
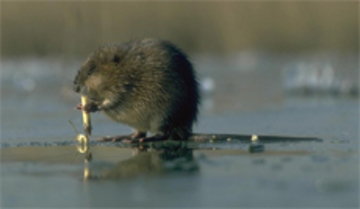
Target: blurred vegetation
x=77, y=28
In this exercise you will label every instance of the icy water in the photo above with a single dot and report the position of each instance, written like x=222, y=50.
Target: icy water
x=263, y=95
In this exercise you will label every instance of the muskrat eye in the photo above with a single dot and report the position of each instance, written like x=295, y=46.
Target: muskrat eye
x=91, y=70
x=116, y=59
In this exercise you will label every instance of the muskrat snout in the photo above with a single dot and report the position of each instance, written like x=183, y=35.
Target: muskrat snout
x=76, y=88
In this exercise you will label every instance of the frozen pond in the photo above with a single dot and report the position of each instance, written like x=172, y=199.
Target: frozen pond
x=261, y=95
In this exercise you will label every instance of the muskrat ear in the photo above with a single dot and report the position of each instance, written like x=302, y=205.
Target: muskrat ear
x=116, y=58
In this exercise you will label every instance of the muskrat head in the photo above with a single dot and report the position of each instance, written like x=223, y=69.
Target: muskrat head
x=97, y=70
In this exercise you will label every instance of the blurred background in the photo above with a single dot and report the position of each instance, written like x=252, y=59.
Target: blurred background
x=248, y=55
x=75, y=29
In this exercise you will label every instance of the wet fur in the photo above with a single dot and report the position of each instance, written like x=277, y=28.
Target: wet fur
x=147, y=84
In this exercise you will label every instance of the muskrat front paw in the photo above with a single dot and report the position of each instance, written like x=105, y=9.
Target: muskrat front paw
x=90, y=107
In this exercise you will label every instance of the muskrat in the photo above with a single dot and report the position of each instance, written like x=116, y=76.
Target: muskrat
x=148, y=84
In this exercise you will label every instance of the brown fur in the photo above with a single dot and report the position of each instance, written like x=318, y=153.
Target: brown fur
x=147, y=84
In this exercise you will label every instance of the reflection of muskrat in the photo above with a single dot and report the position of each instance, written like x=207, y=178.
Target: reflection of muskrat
x=167, y=159
x=147, y=84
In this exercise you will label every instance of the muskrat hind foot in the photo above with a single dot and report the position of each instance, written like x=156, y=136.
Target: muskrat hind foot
x=123, y=138
x=156, y=138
